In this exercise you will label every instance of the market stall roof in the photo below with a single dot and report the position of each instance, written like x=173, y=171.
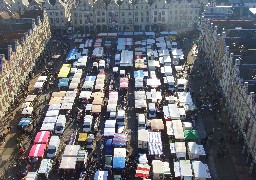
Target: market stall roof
x=200, y=170
x=71, y=93
x=71, y=150
x=47, y=127
x=101, y=175
x=141, y=103
x=82, y=137
x=99, y=86
x=111, y=107
x=24, y=122
x=157, y=124
x=88, y=85
x=142, y=171
x=73, y=85
x=67, y=106
x=27, y=111
x=155, y=143
x=38, y=85
x=85, y=94
x=119, y=162
x=90, y=78
x=67, y=99
x=180, y=149
x=54, y=107
x=55, y=100
x=191, y=134
x=143, y=159
x=178, y=129
x=27, y=104
x=37, y=150
x=59, y=94
x=45, y=166
x=32, y=176
x=30, y=98
x=120, y=152
x=140, y=95
x=51, y=119
x=42, y=137
x=183, y=168
x=96, y=108
x=52, y=113
x=109, y=131
x=68, y=162
x=98, y=94
x=197, y=149
x=42, y=79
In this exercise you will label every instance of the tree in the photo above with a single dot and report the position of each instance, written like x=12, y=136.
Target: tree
x=119, y=3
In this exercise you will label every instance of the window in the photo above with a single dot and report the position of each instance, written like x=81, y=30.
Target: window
x=122, y=13
x=103, y=20
x=103, y=13
x=147, y=19
x=155, y=19
x=98, y=20
x=170, y=12
x=136, y=19
x=142, y=19
x=51, y=19
x=57, y=20
x=61, y=13
x=98, y=13
x=163, y=19
x=156, y=6
x=50, y=13
x=142, y=13
x=129, y=13
x=123, y=21
x=147, y=13
x=163, y=12
x=56, y=13
x=155, y=13
x=136, y=7
x=75, y=14
x=146, y=7
x=129, y=21
x=81, y=22
x=136, y=13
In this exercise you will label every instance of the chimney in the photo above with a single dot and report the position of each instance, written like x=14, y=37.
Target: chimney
x=9, y=51
x=238, y=62
x=15, y=44
x=246, y=88
x=253, y=98
x=33, y=23
x=21, y=40
x=25, y=36
x=37, y=20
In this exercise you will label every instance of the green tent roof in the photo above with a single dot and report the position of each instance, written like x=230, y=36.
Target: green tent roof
x=190, y=134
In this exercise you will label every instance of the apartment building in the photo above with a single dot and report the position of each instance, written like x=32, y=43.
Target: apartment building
x=229, y=48
x=141, y=15
x=22, y=42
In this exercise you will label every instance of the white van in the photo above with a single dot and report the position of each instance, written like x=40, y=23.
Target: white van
x=60, y=124
x=151, y=110
x=53, y=146
x=87, y=126
x=141, y=121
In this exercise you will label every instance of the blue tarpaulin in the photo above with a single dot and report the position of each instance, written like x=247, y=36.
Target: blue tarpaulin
x=63, y=84
x=64, y=80
x=119, y=142
x=90, y=78
x=24, y=122
x=72, y=55
x=118, y=162
x=138, y=73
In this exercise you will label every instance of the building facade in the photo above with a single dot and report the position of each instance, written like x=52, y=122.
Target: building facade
x=141, y=15
x=19, y=51
x=229, y=50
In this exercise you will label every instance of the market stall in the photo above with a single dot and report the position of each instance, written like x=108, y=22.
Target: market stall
x=42, y=137
x=37, y=151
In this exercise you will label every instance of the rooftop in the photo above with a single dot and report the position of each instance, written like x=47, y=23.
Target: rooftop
x=33, y=14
